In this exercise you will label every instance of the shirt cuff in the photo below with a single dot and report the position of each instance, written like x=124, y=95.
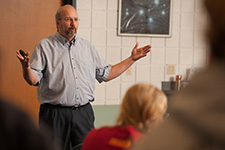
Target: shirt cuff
x=103, y=73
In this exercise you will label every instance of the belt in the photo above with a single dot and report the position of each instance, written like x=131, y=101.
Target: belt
x=72, y=107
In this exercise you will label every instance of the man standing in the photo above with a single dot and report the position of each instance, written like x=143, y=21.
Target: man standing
x=64, y=67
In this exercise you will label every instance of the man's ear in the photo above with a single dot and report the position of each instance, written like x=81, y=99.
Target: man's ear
x=57, y=24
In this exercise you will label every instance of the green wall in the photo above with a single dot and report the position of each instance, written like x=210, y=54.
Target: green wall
x=105, y=115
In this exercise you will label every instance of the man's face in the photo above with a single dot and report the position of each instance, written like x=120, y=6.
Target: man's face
x=68, y=23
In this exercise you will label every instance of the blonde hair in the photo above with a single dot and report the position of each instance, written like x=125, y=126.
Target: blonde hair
x=142, y=104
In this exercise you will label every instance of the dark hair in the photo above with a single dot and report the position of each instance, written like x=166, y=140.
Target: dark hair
x=216, y=27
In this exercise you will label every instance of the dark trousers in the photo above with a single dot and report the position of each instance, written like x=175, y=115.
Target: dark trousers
x=69, y=125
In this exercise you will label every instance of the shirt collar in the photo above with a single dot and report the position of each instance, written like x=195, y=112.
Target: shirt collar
x=63, y=40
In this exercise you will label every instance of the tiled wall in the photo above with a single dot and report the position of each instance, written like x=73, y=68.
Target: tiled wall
x=184, y=49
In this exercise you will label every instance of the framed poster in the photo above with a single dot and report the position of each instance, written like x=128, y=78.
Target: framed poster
x=145, y=18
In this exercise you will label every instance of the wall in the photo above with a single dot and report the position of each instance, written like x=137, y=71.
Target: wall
x=184, y=49
x=105, y=115
x=23, y=24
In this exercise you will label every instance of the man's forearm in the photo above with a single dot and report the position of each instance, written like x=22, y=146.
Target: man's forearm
x=136, y=54
x=119, y=68
x=29, y=76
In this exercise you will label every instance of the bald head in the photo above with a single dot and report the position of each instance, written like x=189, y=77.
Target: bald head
x=62, y=10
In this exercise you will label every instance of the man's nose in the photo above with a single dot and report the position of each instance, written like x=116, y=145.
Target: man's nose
x=72, y=22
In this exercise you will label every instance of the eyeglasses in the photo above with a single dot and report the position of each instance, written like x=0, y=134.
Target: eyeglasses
x=68, y=19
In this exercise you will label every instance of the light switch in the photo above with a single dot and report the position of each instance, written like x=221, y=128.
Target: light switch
x=170, y=69
x=129, y=71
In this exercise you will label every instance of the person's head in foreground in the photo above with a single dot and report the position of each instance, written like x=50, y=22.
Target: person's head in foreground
x=197, y=112
x=142, y=109
x=215, y=34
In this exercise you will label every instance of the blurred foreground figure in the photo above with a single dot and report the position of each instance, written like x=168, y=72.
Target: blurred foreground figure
x=197, y=120
x=142, y=109
x=18, y=132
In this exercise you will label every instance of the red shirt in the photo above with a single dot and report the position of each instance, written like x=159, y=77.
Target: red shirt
x=111, y=138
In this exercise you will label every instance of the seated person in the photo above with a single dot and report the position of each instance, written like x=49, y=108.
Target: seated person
x=18, y=131
x=142, y=109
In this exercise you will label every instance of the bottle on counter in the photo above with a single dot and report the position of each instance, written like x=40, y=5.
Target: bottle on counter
x=178, y=82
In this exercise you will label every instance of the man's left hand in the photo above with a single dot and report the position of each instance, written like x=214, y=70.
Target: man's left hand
x=138, y=53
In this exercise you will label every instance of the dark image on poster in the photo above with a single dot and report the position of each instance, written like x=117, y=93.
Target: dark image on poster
x=144, y=18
